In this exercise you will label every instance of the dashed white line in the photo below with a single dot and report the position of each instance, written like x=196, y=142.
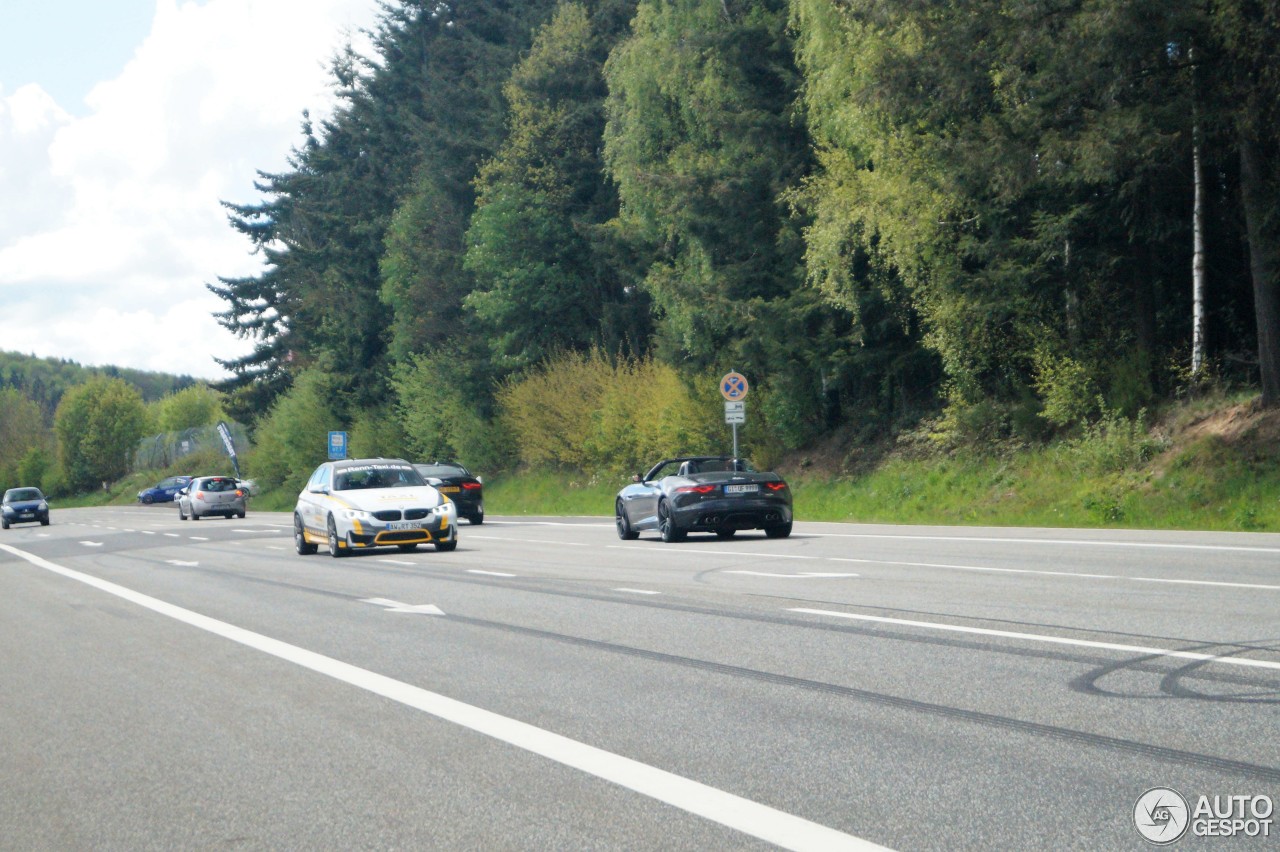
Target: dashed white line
x=488, y=573
x=638, y=591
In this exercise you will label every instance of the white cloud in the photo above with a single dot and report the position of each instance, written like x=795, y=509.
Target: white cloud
x=110, y=224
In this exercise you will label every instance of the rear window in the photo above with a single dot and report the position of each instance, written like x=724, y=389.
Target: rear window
x=441, y=470
x=219, y=485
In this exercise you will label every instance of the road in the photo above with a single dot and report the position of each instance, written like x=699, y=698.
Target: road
x=180, y=685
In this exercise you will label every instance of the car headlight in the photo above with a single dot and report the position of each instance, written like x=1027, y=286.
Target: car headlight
x=44, y=507
x=358, y=515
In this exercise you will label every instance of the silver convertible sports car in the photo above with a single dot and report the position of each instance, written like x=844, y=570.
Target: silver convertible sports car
x=714, y=494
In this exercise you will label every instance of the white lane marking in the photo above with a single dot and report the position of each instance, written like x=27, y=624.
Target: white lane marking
x=1069, y=542
x=744, y=815
x=148, y=532
x=397, y=562
x=92, y=543
x=197, y=538
x=1056, y=640
x=527, y=540
x=172, y=535
x=953, y=567
x=396, y=606
x=488, y=573
x=802, y=575
x=182, y=564
x=638, y=591
x=1074, y=574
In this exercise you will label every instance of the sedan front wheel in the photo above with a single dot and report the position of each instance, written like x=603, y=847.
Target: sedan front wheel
x=335, y=546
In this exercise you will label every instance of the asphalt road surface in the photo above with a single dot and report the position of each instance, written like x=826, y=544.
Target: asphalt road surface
x=198, y=685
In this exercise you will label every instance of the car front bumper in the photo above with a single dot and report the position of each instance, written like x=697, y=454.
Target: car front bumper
x=439, y=526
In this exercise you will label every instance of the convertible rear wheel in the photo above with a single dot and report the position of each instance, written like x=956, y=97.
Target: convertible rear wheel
x=780, y=531
x=667, y=524
x=624, y=526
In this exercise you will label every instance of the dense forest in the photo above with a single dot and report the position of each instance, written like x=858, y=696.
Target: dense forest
x=1002, y=220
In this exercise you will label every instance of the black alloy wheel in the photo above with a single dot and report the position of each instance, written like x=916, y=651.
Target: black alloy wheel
x=667, y=524
x=625, y=532
x=779, y=531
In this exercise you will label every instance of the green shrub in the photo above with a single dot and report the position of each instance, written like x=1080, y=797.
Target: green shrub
x=440, y=420
x=293, y=438
x=592, y=413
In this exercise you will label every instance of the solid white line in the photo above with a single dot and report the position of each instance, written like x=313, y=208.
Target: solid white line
x=1056, y=541
x=1074, y=574
x=752, y=818
x=1057, y=640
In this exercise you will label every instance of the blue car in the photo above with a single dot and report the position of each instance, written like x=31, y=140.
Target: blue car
x=23, y=505
x=164, y=491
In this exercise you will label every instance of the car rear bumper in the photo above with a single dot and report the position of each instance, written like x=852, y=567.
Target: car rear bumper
x=732, y=513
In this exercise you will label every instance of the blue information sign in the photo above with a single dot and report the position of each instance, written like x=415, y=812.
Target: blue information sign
x=337, y=445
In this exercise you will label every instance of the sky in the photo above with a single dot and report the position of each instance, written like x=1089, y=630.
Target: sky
x=123, y=126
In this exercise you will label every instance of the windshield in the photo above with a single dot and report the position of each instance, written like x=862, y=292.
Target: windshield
x=15, y=495
x=376, y=476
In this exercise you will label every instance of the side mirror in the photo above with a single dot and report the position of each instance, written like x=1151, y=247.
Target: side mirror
x=480, y=479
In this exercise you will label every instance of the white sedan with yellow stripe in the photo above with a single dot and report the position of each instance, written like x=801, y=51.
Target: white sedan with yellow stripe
x=354, y=504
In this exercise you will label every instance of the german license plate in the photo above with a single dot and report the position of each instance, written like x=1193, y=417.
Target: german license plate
x=403, y=525
x=450, y=489
x=741, y=489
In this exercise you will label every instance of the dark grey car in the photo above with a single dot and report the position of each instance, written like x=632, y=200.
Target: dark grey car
x=714, y=494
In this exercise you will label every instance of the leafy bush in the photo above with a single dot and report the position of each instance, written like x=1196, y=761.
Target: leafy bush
x=1116, y=443
x=291, y=440
x=593, y=413
x=1066, y=387
x=440, y=421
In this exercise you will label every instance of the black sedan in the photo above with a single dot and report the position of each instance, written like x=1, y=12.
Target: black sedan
x=23, y=505
x=714, y=494
x=456, y=482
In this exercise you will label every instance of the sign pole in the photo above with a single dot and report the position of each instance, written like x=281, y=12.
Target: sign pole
x=733, y=387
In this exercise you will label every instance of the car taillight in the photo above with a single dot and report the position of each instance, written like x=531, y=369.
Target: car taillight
x=199, y=495
x=239, y=493
x=695, y=489
x=471, y=486
x=775, y=486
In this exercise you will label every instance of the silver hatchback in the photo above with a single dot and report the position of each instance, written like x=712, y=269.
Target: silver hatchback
x=212, y=495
